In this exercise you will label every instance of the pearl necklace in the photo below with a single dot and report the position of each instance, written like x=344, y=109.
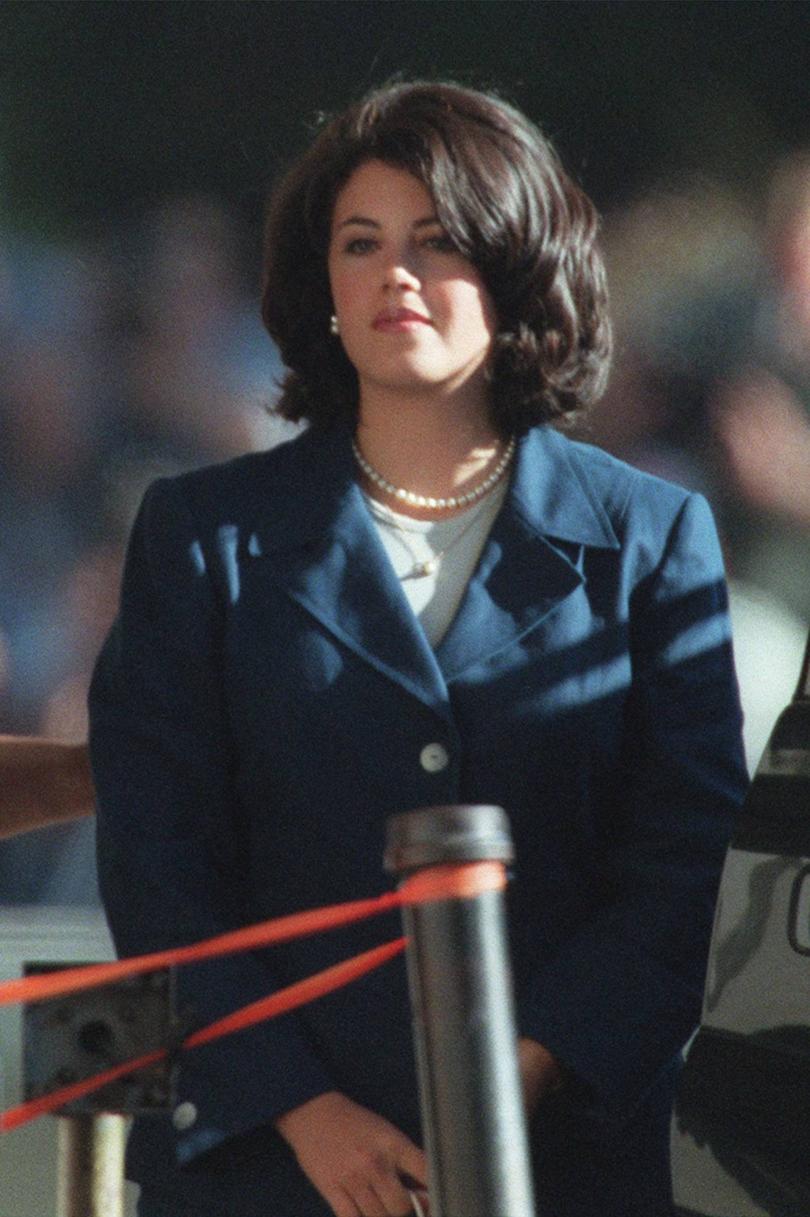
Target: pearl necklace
x=433, y=504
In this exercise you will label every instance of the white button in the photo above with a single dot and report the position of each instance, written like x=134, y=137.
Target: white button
x=434, y=758
x=184, y=1116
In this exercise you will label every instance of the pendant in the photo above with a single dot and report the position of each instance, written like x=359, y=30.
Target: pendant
x=420, y=569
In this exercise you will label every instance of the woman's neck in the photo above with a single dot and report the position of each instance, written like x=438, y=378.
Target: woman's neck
x=438, y=449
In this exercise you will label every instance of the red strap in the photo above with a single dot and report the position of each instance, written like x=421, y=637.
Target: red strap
x=462, y=881
x=15, y=1116
x=268, y=1007
x=457, y=882
x=280, y=929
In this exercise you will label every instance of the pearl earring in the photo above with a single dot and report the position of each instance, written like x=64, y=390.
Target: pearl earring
x=334, y=327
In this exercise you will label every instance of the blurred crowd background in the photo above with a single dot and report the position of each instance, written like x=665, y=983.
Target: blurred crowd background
x=130, y=342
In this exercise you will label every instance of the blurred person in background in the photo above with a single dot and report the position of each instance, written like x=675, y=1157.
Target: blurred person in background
x=123, y=357
x=760, y=413
x=198, y=369
x=711, y=388
x=55, y=394
x=432, y=596
x=52, y=403
x=760, y=410
x=684, y=266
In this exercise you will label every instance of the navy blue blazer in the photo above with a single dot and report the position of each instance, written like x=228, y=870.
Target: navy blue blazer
x=259, y=710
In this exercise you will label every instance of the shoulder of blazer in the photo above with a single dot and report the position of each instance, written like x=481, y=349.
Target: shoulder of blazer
x=564, y=486
x=615, y=482
x=282, y=485
x=242, y=475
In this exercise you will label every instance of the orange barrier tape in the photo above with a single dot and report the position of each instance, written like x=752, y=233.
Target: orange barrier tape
x=298, y=994
x=462, y=881
x=294, y=995
x=266, y=933
x=25, y=1112
x=457, y=882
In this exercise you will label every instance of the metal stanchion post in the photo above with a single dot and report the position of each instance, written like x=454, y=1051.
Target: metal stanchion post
x=803, y=688
x=90, y=1173
x=77, y=1035
x=464, y=1027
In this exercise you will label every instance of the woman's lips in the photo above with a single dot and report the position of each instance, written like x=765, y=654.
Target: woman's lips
x=402, y=319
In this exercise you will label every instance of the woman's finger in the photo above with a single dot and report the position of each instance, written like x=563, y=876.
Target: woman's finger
x=343, y=1205
x=393, y=1194
x=411, y=1164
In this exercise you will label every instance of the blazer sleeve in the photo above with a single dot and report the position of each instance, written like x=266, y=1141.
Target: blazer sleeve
x=168, y=851
x=623, y=995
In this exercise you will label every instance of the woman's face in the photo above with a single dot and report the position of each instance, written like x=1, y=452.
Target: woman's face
x=414, y=314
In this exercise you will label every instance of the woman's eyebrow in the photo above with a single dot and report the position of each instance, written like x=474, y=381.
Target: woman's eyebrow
x=366, y=222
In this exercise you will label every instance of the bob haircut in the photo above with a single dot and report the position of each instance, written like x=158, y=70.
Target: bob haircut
x=505, y=201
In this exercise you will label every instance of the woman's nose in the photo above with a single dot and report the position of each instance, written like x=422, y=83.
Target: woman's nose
x=402, y=275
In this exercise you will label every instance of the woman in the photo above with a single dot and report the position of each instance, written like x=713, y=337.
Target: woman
x=429, y=597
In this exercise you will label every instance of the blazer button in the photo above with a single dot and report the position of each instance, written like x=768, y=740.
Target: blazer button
x=434, y=758
x=184, y=1116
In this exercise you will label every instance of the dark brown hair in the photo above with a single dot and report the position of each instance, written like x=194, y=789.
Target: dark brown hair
x=506, y=202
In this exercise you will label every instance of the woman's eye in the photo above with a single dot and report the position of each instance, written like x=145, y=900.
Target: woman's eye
x=360, y=245
x=442, y=243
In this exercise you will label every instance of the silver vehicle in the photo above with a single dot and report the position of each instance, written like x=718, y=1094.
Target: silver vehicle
x=741, y=1133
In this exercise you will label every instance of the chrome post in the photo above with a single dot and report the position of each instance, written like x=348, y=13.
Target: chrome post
x=464, y=1027
x=90, y=1167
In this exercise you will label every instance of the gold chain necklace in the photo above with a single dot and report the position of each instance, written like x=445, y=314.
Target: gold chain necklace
x=420, y=568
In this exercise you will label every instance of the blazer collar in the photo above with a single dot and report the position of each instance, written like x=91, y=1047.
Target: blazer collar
x=552, y=494
x=321, y=545
x=533, y=559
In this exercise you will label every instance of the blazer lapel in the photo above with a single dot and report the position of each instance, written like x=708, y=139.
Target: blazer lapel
x=532, y=559
x=321, y=546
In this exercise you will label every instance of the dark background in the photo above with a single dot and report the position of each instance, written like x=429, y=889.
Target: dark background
x=106, y=105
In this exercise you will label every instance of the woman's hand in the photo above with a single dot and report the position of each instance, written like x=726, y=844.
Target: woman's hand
x=356, y=1159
